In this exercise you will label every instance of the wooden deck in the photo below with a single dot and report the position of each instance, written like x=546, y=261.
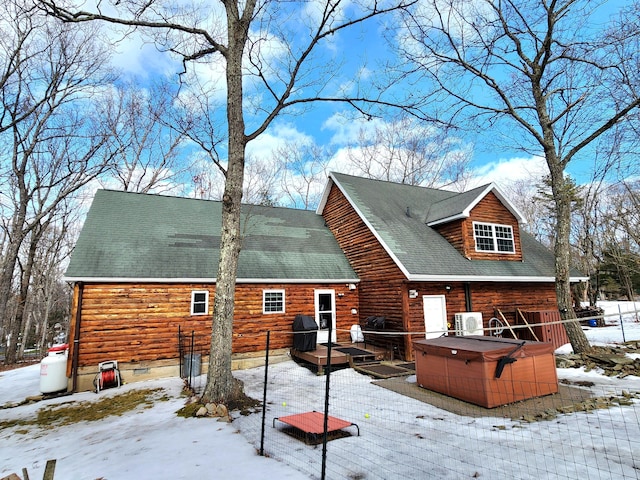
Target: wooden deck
x=342, y=354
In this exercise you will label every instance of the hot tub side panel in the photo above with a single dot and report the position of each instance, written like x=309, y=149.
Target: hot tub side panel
x=432, y=372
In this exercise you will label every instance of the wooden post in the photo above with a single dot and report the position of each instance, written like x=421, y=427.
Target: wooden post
x=49, y=470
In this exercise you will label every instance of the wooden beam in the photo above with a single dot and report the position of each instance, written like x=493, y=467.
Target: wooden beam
x=504, y=319
x=527, y=324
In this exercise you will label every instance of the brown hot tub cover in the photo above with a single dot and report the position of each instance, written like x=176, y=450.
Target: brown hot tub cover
x=487, y=371
x=480, y=348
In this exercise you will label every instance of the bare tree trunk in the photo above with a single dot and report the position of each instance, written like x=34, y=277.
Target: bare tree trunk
x=22, y=314
x=26, y=326
x=562, y=197
x=281, y=85
x=221, y=386
x=562, y=250
x=6, y=284
x=625, y=280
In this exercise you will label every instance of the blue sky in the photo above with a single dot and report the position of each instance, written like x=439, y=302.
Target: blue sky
x=322, y=123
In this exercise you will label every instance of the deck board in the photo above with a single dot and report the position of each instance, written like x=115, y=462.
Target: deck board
x=319, y=356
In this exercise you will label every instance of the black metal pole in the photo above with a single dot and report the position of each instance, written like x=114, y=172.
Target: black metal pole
x=264, y=394
x=180, y=351
x=326, y=405
x=191, y=360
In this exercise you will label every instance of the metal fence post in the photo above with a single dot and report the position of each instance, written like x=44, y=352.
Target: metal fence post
x=621, y=324
x=180, y=352
x=326, y=405
x=264, y=393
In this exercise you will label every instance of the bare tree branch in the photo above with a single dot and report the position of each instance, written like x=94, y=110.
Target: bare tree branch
x=546, y=68
x=281, y=84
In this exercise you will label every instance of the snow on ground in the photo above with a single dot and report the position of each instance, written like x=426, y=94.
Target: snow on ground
x=153, y=443
x=144, y=444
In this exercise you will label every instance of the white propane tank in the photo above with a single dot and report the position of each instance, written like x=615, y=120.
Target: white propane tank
x=53, y=370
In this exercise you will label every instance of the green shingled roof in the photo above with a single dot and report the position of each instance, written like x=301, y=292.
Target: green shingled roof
x=398, y=214
x=453, y=205
x=135, y=236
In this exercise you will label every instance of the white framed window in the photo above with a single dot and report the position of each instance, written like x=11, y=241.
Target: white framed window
x=492, y=237
x=273, y=301
x=199, y=302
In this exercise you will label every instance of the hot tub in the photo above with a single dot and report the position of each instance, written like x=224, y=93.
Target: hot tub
x=486, y=371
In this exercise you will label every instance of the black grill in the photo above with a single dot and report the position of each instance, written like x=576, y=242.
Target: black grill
x=305, y=333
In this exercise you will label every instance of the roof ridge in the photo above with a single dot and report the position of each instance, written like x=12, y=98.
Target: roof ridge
x=176, y=197
x=408, y=185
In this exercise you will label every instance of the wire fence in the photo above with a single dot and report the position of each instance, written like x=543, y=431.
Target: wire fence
x=394, y=428
x=192, y=348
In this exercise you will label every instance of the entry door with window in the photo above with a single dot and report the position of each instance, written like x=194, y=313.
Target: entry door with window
x=435, y=315
x=325, y=314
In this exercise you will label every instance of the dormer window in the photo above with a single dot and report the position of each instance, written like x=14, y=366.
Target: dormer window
x=491, y=237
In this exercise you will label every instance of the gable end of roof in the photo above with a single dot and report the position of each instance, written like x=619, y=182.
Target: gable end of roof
x=460, y=206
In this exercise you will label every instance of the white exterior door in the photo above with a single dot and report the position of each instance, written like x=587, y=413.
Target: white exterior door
x=435, y=315
x=326, y=314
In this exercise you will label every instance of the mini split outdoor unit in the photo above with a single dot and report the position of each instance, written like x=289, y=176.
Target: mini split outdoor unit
x=469, y=323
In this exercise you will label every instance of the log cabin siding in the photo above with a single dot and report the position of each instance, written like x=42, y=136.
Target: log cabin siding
x=486, y=297
x=382, y=283
x=489, y=210
x=455, y=233
x=385, y=299
x=363, y=250
x=139, y=322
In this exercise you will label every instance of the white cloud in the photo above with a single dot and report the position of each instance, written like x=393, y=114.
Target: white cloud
x=278, y=135
x=135, y=51
x=347, y=129
x=506, y=171
x=342, y=162
x=136, y=57
x=315, y=10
